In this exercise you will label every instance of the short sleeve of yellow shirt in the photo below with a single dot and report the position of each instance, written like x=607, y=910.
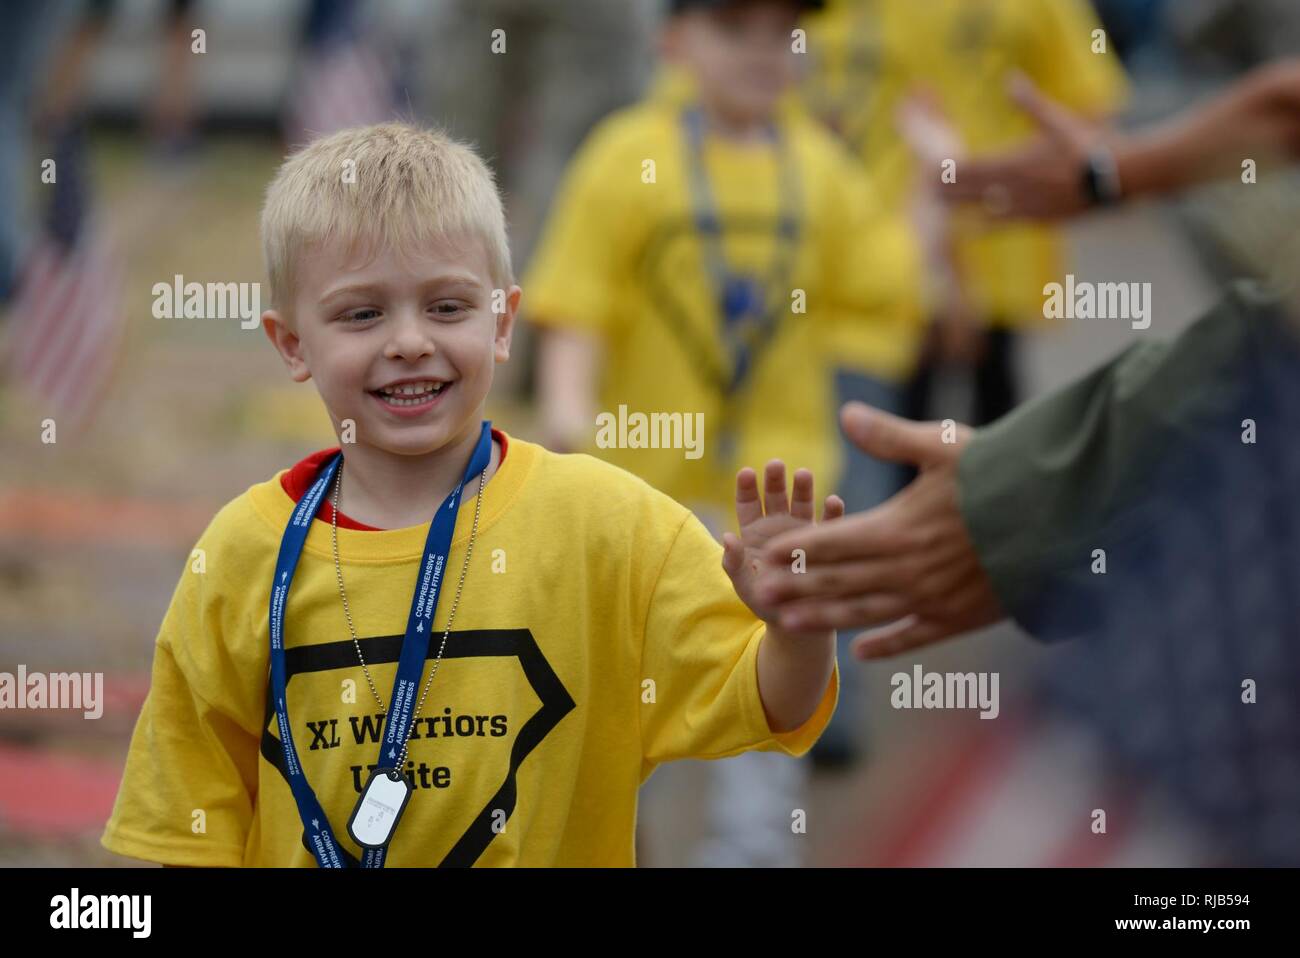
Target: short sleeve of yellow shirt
x=580, y=268
x=698, y=679
x=193, y=760
x=1060, y=58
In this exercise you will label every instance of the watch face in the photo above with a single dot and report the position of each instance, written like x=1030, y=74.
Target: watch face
x=1089, y=178
x=1101, y=178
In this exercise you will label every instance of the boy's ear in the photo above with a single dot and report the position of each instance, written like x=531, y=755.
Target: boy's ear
x=506, y=325
x=287, y=344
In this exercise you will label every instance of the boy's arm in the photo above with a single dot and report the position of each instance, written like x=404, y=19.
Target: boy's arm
x=575, y=281
x=566, y=387
x=793, y=672
x=186, y=796
x=955, y=332
x=187, y=791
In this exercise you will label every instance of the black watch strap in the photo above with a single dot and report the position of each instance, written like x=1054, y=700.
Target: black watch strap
x=1101, y=178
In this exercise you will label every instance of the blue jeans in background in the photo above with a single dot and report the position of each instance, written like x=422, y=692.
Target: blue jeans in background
x=864, y=482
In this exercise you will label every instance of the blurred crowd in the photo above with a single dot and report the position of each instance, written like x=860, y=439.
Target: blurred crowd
x=736, y=208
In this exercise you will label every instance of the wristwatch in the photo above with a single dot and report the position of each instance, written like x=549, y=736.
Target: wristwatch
x=1101, y=178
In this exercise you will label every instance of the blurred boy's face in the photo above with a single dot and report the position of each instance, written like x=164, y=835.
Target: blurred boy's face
x=739, y=55
x=403, y=345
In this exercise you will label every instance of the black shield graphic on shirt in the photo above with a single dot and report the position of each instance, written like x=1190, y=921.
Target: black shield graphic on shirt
x=476, y=643
x=670, y=253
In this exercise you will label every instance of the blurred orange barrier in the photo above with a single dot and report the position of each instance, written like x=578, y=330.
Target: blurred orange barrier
x=66, y=517
x=47, y=794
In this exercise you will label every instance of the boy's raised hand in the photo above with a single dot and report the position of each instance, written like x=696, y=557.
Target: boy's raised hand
x=761, y=519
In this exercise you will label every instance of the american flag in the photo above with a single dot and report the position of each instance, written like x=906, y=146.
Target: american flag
x=67, y=318
x=340, y=85
x=68, y=326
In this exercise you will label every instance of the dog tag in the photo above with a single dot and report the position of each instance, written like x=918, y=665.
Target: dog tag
x=381, y=804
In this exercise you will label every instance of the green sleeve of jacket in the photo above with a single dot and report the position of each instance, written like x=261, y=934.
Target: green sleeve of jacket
x=1036, y=486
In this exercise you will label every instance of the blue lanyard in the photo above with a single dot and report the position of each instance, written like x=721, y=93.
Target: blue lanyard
x=749, y=316
x=410, y=666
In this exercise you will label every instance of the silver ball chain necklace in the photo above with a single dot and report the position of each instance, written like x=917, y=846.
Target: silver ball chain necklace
x=451, y=616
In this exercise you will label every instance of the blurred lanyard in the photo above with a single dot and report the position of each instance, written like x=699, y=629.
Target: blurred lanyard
x=749, y=311
x=410, y=666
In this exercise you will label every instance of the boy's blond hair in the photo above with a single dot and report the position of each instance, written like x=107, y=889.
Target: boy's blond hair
x=394, y=186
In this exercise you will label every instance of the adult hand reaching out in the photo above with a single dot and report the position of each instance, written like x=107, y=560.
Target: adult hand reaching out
x=1042, y=179
x=1258, y=116
x=908, y=562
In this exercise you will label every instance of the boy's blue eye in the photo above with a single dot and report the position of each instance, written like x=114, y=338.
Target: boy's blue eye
x=447, y=308
x=360, y=315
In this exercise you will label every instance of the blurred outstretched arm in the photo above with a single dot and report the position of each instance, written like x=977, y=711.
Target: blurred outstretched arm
x=1257, y=118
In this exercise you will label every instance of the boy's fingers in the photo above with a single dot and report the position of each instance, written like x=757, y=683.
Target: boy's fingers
x=801, y=498
x=748, y=507
x=732, y=553
x=774, y=496
x=833, y=508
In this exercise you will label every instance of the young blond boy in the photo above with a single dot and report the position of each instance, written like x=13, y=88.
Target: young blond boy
x=595, y=633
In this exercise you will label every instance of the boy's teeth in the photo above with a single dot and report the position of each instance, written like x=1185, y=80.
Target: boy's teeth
x=412, y=389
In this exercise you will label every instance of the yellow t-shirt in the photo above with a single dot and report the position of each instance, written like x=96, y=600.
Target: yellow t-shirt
x=585, y=586
x=622, y=257
x=867, y=56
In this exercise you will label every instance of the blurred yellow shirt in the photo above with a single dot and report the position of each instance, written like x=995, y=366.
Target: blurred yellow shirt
x=868, y=55
x=622, y=257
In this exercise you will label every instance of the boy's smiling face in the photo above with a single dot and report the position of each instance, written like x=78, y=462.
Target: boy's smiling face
x=402, y=344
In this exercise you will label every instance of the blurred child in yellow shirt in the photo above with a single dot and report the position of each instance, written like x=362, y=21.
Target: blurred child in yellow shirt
x=706, y=251
x=870, y=56
x=707, y=247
